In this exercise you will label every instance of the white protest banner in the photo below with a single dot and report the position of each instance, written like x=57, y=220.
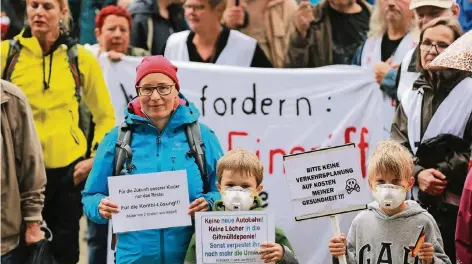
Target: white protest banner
x=150, y=201
x=232, y=237
x=275, y=112
x=326, y=182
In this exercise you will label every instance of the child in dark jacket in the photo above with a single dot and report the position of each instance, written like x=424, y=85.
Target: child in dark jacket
x=240, y=175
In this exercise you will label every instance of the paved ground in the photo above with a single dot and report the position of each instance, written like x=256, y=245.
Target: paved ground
x=83, y=241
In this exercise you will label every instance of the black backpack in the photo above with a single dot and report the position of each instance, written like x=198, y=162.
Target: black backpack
x=85, y=117
x=124, y=154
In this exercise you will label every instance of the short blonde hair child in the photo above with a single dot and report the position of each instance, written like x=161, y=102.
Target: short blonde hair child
x=390, y=158
x=241, y=160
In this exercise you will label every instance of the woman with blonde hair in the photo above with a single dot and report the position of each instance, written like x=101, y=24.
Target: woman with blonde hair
x=434, y=121
x=55, y=73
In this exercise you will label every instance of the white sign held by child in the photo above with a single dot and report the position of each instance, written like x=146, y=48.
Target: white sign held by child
x=150, y=201
x=232, y=237
x=326, y=182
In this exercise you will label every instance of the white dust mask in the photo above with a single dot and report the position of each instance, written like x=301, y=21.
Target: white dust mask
x=237, y=199
x=389, y=196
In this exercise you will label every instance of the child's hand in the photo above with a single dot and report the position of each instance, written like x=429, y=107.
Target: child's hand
x=337, y=245
x=271, y=252
x=426, y=253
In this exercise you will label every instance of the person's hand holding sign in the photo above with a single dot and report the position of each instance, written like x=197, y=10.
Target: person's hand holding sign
x=337, y=245
x=271, y=252
x=199, y=205
x=106, y=208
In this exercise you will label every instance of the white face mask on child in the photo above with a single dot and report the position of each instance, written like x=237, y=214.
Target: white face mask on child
x=237, y=199
x=389, y=196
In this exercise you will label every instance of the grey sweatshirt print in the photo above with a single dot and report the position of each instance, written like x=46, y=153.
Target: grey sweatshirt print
x=375, y=237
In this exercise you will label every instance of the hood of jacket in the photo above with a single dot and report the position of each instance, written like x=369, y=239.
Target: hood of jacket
x=27, y=40
x=143, y=7
x=412, y=210
x=185, y=113
x=256, y=205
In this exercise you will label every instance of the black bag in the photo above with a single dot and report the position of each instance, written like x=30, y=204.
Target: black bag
x=40, y=253
x=434, y=151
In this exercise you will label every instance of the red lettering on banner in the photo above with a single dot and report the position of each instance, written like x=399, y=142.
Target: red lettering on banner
x=230, y=137
x=272, y=153
x=363, y=145
x=258, y=152
x=347, y=134
x=295, y=149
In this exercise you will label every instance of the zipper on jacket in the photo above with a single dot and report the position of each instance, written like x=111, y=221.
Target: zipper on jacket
x=173, y=162
x=72, y=132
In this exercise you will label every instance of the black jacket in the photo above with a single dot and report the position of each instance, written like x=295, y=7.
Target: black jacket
x=141, y=11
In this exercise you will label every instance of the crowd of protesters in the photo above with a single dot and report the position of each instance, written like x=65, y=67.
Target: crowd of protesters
x=56, y=100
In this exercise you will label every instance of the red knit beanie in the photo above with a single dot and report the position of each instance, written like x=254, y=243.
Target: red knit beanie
x=157, y=64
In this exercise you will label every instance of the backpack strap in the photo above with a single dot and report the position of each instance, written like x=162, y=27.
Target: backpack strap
x=197, y=150
x=123, y=151
x=73, y=58
x=12, y=58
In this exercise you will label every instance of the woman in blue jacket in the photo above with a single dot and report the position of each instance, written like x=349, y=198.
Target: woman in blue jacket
x=159, y=143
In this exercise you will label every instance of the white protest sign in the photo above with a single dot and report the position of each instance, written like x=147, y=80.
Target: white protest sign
x=326, y=182
x=150, y=201
x=232, y=237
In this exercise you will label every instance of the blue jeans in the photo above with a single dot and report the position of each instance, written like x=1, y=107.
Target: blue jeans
x=16, y=256
x=97, y=243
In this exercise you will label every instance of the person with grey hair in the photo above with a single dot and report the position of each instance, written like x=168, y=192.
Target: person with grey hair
x=208, y=41
x=425, y=11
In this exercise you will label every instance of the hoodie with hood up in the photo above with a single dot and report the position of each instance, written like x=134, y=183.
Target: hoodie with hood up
x=145, y=13
x=375, y=237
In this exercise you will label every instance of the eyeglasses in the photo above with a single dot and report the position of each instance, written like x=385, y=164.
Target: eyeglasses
x=162, y=89
x=195, y=7
x=440, y=47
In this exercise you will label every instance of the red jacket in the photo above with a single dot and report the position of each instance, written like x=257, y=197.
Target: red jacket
x=464, y=224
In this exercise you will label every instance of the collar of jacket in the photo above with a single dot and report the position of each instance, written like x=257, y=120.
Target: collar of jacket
x=27, y=40
x=444, y=80
x=321, y=9
x=272, y=3
x=4, y=96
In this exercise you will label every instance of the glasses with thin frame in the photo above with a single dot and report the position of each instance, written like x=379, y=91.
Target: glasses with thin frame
x=148, y=90
x=427, y=45
x=194, y=7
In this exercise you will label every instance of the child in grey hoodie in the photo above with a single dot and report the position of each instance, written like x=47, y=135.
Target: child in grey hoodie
x=385, y=232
